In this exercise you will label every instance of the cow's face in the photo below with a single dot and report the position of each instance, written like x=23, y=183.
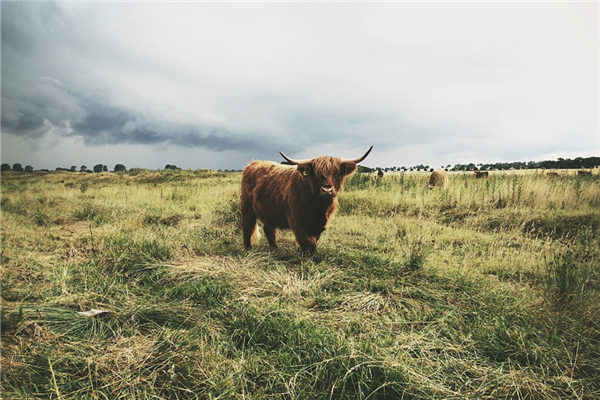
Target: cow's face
x=326, y=175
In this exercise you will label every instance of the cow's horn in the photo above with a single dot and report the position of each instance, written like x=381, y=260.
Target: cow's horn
x=359, y=159
x=296, y=162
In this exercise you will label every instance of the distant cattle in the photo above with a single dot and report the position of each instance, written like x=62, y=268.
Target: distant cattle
x=584, y=173
x=553, y=174
x=301, y=196
x=481, y=174
x=437, y=178
x=379, y=173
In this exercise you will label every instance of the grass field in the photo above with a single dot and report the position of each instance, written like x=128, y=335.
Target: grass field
x=487, y=289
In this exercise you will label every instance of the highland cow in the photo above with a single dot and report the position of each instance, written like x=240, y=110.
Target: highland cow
x=301, y=197
x=437, y=178
x=481, y=174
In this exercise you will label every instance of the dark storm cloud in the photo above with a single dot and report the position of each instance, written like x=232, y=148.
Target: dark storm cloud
x=104, y=124
x=71, y=114
x=39, y=94
x=43, y=91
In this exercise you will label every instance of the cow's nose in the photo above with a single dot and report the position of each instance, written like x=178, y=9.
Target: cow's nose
x=327, y=189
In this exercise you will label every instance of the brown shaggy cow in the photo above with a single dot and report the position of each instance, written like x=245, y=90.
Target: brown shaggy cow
x=437, y=178
x=584, y=173
x=302, y=197
x=481, y=174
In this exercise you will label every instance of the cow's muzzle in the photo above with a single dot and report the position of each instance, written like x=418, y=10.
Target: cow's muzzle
x=328, y=190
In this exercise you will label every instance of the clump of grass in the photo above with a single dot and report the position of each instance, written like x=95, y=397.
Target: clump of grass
x=361, y=181
x=216, y=240
x=40, y=217
x=130, y=255
x=111, y=323
x=561, y=225
x=92, y=212
x=171, y=220
x=568, y=278
x=229, y=213
x=211, y=291
x=36, y=208
x=417, y=255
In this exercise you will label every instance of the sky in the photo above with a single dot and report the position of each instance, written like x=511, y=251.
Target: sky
x=216, y=85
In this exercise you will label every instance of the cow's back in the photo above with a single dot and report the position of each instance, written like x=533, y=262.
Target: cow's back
x=265, y=187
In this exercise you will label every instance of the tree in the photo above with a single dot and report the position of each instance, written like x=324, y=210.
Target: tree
x=73, y=168
x=83, y=168
x=120, y=167
x=104, y=168
x=17, y=167
x=98, y=168
x=28, y=168
x=169, y=166
x=5, y=167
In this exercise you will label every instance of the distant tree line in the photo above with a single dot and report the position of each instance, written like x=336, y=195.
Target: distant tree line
x=97, y=168
x=561, y=163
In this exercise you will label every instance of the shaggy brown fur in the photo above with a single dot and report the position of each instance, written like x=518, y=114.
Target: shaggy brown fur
x=301, y=197
x=481, y=174
x=437, y=178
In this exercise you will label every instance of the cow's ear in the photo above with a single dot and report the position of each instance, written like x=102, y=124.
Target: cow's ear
x=348, y=168
x=305, y=169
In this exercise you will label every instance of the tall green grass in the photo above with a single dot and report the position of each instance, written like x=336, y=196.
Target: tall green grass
x=487, y=288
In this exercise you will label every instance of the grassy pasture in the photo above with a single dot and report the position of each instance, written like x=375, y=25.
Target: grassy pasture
x=485, y=289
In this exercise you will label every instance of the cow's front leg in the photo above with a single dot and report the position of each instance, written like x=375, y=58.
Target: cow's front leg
x=271, y=234
x=308, y=243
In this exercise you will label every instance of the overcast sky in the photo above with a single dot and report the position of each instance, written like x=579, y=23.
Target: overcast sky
x=208, y=85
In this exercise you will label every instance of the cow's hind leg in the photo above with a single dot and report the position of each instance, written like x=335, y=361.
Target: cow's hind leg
x=271, y=234
x=248, y=223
